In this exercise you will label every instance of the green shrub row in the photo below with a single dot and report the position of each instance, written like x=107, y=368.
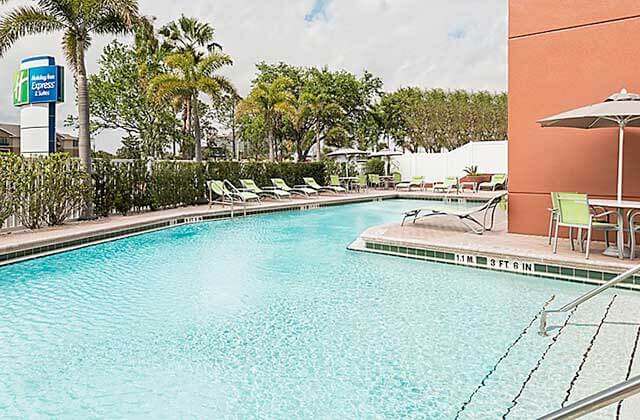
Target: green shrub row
x=125, y=186
x=41, y=190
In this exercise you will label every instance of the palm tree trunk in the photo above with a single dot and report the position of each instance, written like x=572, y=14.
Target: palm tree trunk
x=84, y=139
x=187, y=127
x=236, y=154
x=197, y=133
x=270, y=141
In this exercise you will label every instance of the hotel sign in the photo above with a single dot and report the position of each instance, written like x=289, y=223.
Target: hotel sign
x=38, y=85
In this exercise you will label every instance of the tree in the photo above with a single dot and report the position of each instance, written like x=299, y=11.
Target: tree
x=79, y=22
x=121, y=99
x=186, y=80
x=270, y=101
x=189, y=35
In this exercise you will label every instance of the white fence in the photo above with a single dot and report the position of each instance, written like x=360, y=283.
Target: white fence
x=490, y=157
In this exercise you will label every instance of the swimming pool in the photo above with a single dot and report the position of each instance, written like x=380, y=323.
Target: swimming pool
x=267, y=316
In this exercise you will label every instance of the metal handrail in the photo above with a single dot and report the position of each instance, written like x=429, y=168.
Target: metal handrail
x=597, y=401
x=569, y=306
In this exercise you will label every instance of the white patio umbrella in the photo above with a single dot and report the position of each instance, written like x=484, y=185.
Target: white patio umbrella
x=348, y=153
x=386, y=154
x=619, y=110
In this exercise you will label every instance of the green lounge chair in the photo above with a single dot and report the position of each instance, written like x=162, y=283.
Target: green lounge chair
x=250, y=185
x=574, y=212
x=450, y=183
x=300, y=190
x=228, y=194
x=498, y=181
x=374, y=180
x=310, y=182
x=468, y=216
x=416, y=181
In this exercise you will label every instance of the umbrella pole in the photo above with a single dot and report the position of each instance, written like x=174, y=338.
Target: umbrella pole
x=620, y=159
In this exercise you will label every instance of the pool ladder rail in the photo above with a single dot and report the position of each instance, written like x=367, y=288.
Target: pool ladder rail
x=611, y=395
x=595, y=292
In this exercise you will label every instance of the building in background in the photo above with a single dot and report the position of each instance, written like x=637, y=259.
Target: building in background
x=563, y=55
x=10, y=140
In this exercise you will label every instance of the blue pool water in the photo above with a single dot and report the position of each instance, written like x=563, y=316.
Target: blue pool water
x=267, y=316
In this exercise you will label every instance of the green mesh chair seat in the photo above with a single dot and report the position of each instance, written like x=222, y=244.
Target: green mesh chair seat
x=280, y=184
x=449, y=183
x=497, y=181
x=251, y=186
x=574, y=213
x=374, y=180
x=416, y=181
x=310, y=182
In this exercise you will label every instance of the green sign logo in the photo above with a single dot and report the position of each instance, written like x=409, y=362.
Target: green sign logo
x=21, y=88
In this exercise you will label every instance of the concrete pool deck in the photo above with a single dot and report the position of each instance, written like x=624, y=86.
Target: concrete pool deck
x=446, y=239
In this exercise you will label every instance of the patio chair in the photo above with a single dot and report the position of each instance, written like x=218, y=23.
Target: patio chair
x=450, y=183
x=553, y=214
x=469, y=217
x=397, y=178
x=310, y=182
x=374, y=180
x=416, y=181
x=228, y=194
x=272, y=192
x=361, y=182
x=334, y=181
x=574, y=212
x=300, y=190
x=497, y=181
x=634, y=227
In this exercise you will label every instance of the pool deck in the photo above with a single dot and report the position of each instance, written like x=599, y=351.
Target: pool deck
x=23, y=244
x=446, y=239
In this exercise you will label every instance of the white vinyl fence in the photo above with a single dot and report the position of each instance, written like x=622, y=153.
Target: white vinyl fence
x=489, y=156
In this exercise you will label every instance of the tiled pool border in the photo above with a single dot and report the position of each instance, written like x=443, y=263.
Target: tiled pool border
x=514, y=265
x=111, y=234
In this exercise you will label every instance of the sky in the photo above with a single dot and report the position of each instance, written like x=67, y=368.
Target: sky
x=426, y=43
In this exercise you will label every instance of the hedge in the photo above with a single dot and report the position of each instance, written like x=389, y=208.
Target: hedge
x=125, y=186
x=42, y=190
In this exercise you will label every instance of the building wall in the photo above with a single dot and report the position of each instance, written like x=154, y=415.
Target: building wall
x=562, y=55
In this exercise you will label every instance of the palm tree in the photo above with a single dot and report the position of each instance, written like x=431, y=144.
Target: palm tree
x=188, y=34
x=271, y=100
x=79, y=21
x=186, y=80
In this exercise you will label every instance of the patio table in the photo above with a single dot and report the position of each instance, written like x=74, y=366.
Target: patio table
x=386, y=179
x=348, y=180
x=619, y=249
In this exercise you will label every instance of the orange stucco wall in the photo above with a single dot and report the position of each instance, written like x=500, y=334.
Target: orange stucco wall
x=562, y=55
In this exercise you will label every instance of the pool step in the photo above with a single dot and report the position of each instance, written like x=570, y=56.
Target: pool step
x=496, y=390
x=549, y=385
x=614, y=358
x=589, y=357
x=538, y=372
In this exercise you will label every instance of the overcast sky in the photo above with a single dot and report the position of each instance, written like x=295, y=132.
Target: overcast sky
x=426, y=43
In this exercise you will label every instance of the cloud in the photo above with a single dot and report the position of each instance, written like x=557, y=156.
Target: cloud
x=404, y=42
